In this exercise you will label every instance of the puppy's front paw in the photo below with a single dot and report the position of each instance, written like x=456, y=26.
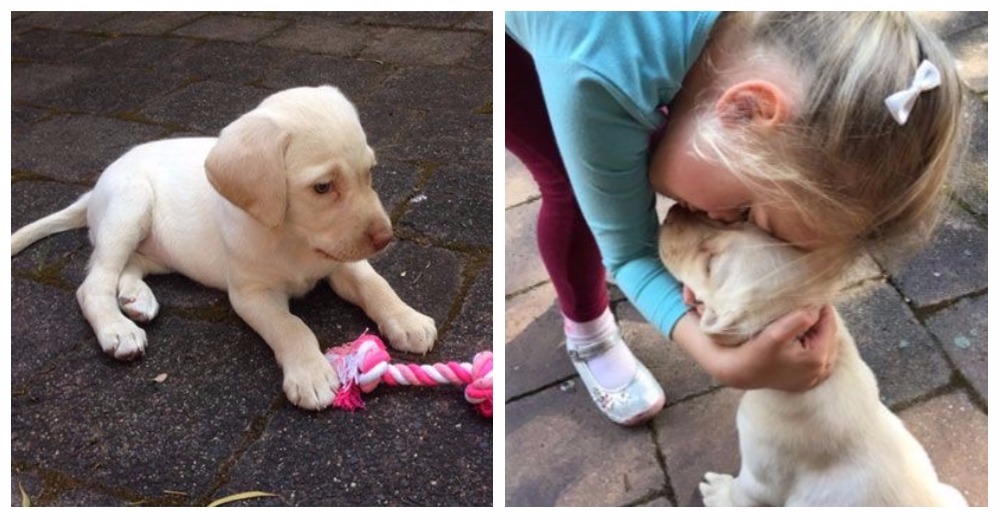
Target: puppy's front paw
x=311, y=384
x=136, y=300
x=715, y=491
x=122, y=339
x=409, y=331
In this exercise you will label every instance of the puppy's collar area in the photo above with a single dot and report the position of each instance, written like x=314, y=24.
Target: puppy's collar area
x=583, y=351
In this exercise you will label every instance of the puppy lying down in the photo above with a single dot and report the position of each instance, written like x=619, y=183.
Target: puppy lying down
x=835, y=445
x=279, y=201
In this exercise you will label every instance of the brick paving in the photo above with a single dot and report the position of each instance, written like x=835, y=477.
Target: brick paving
x=89, y=430
x=923, y=332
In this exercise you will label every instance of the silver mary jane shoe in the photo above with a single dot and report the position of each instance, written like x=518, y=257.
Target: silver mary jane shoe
x=632, y=403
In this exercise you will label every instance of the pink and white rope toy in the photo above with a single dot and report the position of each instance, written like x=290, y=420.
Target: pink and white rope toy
x=365, y=362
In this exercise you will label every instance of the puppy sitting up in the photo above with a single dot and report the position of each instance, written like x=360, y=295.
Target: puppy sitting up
x=835, y=445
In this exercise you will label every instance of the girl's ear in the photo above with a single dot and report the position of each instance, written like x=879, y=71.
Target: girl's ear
x=753, y=101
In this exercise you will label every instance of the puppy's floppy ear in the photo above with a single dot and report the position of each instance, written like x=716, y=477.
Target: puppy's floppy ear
x=247, y=167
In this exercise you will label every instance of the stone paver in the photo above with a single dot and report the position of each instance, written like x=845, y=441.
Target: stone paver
x=557, y=450
x=952, y=265
x=961, y=330
x=953, y=430
x=922, y=329
x=523, y=268
x=89, y=430
x=519, y=187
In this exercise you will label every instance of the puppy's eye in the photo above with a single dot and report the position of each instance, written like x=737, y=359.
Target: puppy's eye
x=323, y=188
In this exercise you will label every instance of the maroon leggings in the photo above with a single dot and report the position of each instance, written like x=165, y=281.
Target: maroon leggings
x=565, y=242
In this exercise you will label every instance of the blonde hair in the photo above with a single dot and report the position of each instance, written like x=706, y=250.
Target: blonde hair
x=854, y=175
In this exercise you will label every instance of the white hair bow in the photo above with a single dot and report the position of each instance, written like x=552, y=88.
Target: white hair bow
x=901, y=103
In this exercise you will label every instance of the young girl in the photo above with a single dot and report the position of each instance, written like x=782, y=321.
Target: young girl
x=780, y=118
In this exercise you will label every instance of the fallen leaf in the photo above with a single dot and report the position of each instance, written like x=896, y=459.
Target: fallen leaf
x=240, y=496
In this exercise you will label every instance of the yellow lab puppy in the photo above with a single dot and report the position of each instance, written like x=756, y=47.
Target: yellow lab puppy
x=835, y=445
x=281, y=200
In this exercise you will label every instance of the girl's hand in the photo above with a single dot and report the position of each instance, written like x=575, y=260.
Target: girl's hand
x=795, y=353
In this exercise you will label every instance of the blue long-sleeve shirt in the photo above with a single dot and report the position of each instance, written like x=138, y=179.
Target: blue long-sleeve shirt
x=604, y=77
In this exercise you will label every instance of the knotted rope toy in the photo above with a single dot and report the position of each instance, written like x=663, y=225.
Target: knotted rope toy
x=364, y=363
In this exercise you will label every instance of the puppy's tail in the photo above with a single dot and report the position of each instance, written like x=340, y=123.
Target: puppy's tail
x=72, y=217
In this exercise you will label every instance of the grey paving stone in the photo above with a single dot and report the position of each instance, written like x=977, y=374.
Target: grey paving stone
x=207, y=106
x=697, y=436
x=321, y=36
x=471, y=331
x=970, y=48
x=386, y=125
x=88, y=498
x=479, y=20
x=67, y=21
x=48, y=45
x=36, y=81
x=677, y=373
x=21, y=118
x=438, y=19
x=436, y=456
x=341, y=17
x=357, y=79
x=458, y=207
x=118, y=94
x=405, y=46
x=108, y=422
x=394, y=181
x=62, y=495
x=657, y=502
x=482, y=55
x=962, y=331
x=147, y=23
x=952, y=265
x=59, y=261
x=137, y=52
x=446, y=136
x=25, y=483
x=561, y=451
x=48, y=326
x=226, y=62
x=535, y=346
x=34, y=199
x=970, y=184
x=954, y=433
x=904, y=357
x=525, y=308
x=523, y=267
x=230, y=28
x=519, y=187
x=77, y=148
x=436, y=88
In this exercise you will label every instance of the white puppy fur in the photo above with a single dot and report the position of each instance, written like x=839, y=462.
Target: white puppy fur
x=281, y=200
x=835, y=445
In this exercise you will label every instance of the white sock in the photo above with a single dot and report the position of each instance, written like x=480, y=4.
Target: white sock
x=613, y=367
